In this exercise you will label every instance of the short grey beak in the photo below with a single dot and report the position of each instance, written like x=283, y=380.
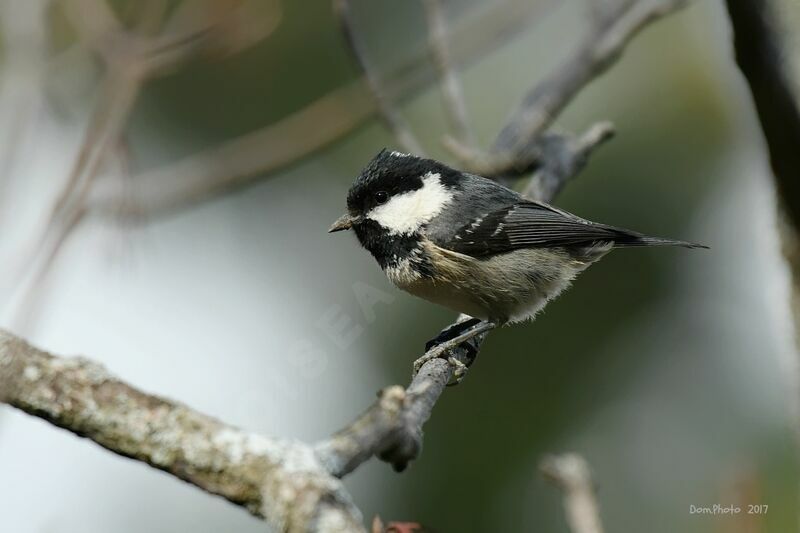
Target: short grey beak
x=344, y=222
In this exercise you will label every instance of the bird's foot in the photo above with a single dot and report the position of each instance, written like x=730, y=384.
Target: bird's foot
x=442, y=349
x=452, y=331
x=459, y=371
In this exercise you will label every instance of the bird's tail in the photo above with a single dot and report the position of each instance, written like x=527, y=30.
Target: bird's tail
x=628, y=239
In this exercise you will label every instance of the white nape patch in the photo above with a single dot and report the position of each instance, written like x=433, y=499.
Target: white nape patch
x=399, y=154
x=406, y=213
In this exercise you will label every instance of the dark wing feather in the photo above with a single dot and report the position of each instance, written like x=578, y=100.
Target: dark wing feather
x=534, y=225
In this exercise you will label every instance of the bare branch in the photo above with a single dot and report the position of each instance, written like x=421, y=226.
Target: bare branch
x=452, y=93
x=51, y=247
x=570, y=472
x=259, y=154
x=101, y=136
x=601, y=49
x=281, y=481
x=390, y=116
x=564, y=155
x=109, y=117
x=23, y=39
x=131, y=60
x=515, y=147
x=218, y=29
x=96, y=24
x=391, y=428
x=760, y=56
x=237, y=162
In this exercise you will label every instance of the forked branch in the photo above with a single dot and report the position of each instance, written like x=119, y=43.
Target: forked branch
x=516, y=147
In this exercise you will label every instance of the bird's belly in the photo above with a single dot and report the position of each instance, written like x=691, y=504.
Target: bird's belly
x=500, y=288
x=451, y=296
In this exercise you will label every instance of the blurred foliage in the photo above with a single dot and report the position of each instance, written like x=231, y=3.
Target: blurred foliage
x=300, y=62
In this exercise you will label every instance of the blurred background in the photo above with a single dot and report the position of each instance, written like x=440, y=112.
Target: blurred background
x=164, y=204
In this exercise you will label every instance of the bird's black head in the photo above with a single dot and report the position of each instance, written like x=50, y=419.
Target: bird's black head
x=394, y=197
x=394, y=173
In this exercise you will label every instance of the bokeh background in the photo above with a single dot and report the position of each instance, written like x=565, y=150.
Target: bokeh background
x=192, y=260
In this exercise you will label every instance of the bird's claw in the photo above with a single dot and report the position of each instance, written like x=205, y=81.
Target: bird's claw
x=430, y=355
x=438, y=352
x=459, y=371
x=443, y=348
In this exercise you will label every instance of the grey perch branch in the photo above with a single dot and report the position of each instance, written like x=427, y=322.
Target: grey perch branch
x=391, y=428
x=571, y=473
x=282, y=481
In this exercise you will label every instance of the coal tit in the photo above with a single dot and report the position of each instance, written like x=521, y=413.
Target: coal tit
x=470, y=244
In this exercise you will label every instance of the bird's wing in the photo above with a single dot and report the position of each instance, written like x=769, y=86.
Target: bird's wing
x=526, y=224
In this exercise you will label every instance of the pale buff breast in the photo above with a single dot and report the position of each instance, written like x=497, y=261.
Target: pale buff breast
x=500, y=288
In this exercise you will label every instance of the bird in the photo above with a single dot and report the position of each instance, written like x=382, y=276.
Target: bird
x=470, y=244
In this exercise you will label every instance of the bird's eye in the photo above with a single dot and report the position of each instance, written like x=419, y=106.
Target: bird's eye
x=381, y=197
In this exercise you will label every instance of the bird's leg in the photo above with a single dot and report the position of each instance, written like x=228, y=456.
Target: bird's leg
x=451, y=331
x=442, y=348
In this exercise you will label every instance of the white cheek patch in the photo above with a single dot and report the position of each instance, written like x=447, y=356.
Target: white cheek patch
x=407, y=212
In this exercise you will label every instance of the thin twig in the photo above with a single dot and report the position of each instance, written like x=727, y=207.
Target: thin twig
x=452, y=93
x=130, y=62
x=23, y=38
x=570, y=472
x=604, y=12
x=36, y=283
x=238, y=162
x=119, y=91
x=600, y=49
x=229, y=28
x=102, y=135
x=390, y=116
